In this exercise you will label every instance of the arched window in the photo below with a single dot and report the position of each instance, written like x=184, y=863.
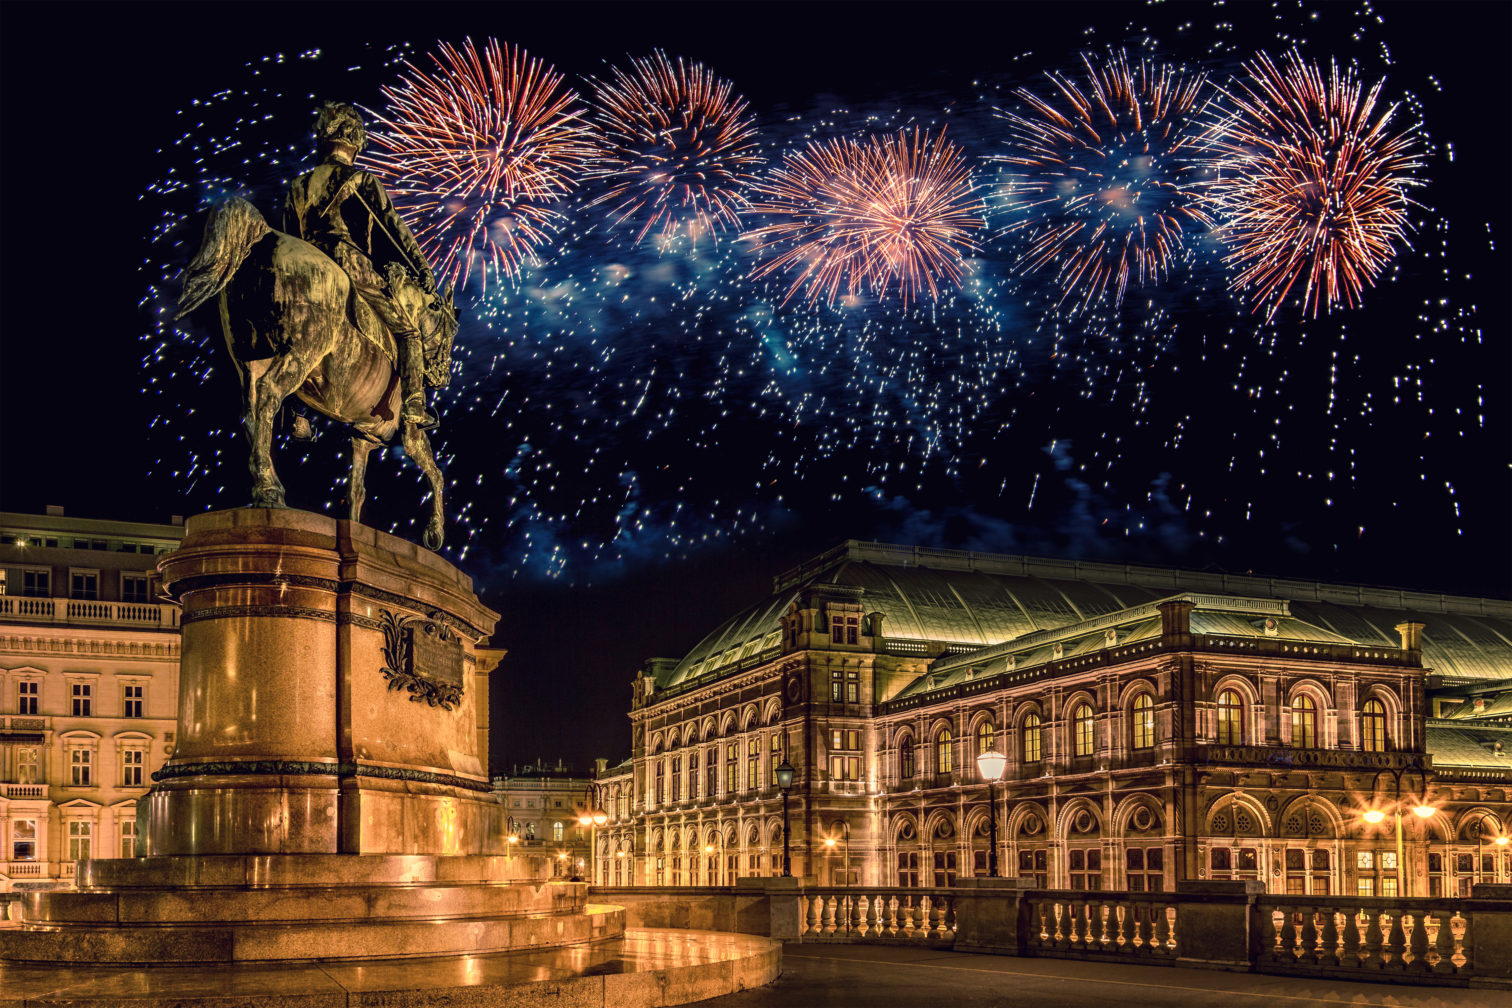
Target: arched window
x=1373, y=726
x=1081, y=722
x=556, y=832
x=944, y=752
x=1304, y=723
x=986, y=735
x=1144, y=722
x=1033, y=741
x=1230, y=718
x=906, y=759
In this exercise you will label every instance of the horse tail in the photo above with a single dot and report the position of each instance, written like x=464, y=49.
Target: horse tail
x=231, y=230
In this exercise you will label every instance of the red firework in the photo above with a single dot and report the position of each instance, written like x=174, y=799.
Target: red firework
x=853, y=215
x=679, y=148
x=1312, y=183
x=476, y=151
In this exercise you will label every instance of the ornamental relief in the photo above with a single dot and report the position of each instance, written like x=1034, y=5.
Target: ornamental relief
x=424, y=656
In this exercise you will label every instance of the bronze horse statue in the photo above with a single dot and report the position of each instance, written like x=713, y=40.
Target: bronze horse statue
x=287, y=316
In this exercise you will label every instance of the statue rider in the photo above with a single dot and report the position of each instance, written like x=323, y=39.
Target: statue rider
x=345, y=212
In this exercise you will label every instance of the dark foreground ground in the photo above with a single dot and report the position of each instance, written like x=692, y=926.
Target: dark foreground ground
x=851, y=976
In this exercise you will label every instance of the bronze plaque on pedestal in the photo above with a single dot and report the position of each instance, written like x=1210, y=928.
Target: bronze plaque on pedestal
x=435, y=654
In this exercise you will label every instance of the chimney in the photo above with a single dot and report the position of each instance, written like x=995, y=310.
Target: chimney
x=55, y=510
x=1175, y=617
x=176, y=520
x=1412, y=636
x=876, y=619
x=600, y=764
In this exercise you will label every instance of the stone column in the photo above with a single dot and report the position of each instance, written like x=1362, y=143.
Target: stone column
x=1214, y=923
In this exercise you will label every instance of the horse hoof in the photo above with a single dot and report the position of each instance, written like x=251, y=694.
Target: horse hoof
x=432, y=539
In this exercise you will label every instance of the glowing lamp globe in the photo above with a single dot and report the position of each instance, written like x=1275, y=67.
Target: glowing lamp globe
x=784, y=774
x=1501, y=841
x=1423, y=811
x=585, y=819
x=991, y=764
x=600, y=817
x=1374, y=816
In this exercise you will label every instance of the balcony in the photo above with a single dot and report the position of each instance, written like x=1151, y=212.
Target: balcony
x=23, y=790
x=84, y=612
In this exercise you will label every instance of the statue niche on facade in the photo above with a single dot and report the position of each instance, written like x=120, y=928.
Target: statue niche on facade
x=339, y=309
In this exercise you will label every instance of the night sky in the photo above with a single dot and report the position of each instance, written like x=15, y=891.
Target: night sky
x=638, y=438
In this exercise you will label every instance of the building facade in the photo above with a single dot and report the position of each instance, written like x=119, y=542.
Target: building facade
x=89, y=661
x=544, y=803
x=1157, y=725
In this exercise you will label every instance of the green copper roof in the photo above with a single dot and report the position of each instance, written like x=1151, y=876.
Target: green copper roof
x=975, y=600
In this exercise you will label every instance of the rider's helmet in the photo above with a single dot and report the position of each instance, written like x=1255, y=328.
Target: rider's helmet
x=340, y=123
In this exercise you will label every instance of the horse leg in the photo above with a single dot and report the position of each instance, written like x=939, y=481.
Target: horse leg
x=357, y=485
x=257, y=424
x=267, y=391
x=417, y=446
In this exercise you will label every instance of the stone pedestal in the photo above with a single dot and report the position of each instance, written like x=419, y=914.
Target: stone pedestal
x=325, y=700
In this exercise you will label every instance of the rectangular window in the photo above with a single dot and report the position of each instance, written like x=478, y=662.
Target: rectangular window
x=36, y=583
x=128, y=838
x=23, y=839
x=1086, y=869
x=1388, y=859
x=732, y=768
x=83, y=696
x=661, y=779
x=134, y=588
x=845, y=686
x=753, y=763
x=132, y=763
x=1367, y=887
x=945, y=868
x=693, y=774
x=80, y=767
x=845, y=754
x=712, y=769
x=131, y=701
x=84, y=585
x=27, y=692
x=1365, y=859
x=845, y=629
x=29, y=766
x=1388, y=887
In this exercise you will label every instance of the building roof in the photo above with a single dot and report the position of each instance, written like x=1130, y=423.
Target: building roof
x=1455, y=744
x=969, y=601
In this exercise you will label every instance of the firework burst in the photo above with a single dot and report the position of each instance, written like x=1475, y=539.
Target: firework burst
x=867, y=215
x=476, y=151
x=1312, y=183
x=678, y=148
x=1100, y=176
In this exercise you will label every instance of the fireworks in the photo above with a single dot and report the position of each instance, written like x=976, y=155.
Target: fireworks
x=1312, y=183
x=866, y=214
x=678, y=148
x=1100, y=179
x=476, y=152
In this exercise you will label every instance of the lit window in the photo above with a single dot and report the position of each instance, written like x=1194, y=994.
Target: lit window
x=753, y=762
x=732, y=768
x=1373, y=726
x=1033, y=739
x=1230, y=718
x=845, y=686
x=776, y=756
x=1144, y=722
x=1365, y=859
x=986, y=735
x=845, y=754
x=1304, y=723
x=79, y=840
x=556, y=832
x=1082, y=722
x=944, y=752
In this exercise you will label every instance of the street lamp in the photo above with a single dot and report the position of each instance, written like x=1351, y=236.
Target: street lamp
x=1422, y=810
x=590, y=818
x=784, y=774
x=991, y=764
x=710, y=850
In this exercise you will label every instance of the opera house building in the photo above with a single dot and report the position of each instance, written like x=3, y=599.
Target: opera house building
x=1158, y=725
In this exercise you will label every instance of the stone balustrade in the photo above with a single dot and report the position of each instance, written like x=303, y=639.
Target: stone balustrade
x=1209, y=924
x=88, y=612
x=23, y=790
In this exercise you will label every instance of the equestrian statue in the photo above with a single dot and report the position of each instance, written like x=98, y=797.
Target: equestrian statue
x=339, y=308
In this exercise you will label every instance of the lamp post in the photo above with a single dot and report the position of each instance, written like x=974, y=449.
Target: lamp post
x=1422, y=810
x=784, y=774
x=991, y=764
x=591, y=818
